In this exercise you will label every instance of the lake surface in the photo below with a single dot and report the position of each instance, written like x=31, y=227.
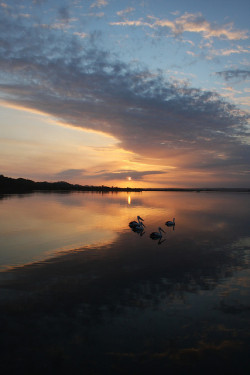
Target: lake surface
x=80, y=291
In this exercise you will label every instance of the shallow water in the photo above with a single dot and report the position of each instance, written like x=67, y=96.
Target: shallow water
x=104, y=299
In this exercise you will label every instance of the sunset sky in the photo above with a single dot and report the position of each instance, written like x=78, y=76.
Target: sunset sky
x=150, y=93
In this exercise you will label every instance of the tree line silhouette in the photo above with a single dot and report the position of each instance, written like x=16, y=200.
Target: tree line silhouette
x=22, y=185
x=17, y=185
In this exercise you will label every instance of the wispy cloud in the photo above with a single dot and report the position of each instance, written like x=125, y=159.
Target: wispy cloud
x=99, y=4
x=192, y=23
x=25, y=15
x=124, y=12
x=94, y=14
x=232, y=90
x=81, y=35
x=229, y=51
x=132, y=23
x=209, y=53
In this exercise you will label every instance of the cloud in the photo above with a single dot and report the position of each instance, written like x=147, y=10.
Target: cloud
x=105, y=175
x=123, y=174
x=99, y=4
x=215, y=53
x=193, y=23
x=39, y=1
x=63, y=13
x=81, y=35
x=25, y=15
x=132, y=23
x=69, y=174
x=228, y=75
x=230, y=51
x=124, y=12
x=87, y=87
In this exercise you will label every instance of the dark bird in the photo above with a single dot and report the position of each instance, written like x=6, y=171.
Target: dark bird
x=157, y=235
x=134, y=224
x=170, y=223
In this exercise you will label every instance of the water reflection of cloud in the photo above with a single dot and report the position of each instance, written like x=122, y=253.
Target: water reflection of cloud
x=126, y=301
x=205, y=222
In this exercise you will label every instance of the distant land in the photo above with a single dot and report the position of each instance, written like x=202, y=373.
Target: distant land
x=21, y=185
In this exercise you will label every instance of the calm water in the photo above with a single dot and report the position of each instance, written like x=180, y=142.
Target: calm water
x=104, y=299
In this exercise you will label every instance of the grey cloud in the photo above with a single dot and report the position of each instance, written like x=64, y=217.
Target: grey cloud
x=87, y=87
x=68, y=174
x=124, y=174
x=119, y=174
x=39, y=1
x=64, y=14
x=232, y=74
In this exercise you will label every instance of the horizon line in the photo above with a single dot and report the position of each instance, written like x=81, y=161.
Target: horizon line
x=133, y=188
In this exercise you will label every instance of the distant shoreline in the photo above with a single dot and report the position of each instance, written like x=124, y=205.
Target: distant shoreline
x=20, y=185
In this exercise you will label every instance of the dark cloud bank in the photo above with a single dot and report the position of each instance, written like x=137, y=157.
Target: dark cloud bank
x=235, y=74
x=77, y=82
x=105, y=175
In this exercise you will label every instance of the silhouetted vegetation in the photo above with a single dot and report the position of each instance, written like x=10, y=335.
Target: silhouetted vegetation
x=22, y=185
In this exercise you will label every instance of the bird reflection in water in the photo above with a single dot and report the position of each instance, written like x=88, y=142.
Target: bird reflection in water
x=161, y=240
x=139, y=230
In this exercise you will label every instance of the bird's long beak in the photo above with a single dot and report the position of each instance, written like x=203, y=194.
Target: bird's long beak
x=141, y=218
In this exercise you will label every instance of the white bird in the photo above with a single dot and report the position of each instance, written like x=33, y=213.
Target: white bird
x=157, y=235
x=170, y=223
x=134, y=224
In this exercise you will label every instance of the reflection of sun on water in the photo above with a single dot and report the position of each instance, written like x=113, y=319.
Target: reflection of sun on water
x=129, y=199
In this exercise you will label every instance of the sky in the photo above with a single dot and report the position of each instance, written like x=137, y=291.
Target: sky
x=151, y=93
